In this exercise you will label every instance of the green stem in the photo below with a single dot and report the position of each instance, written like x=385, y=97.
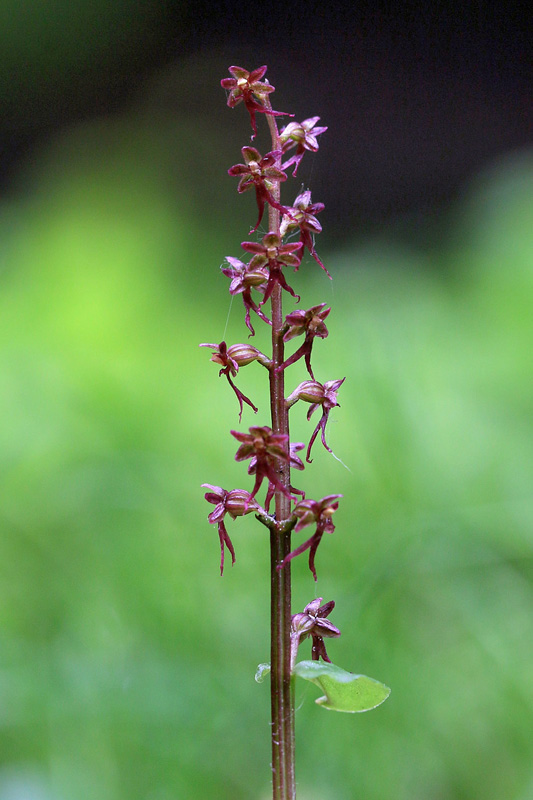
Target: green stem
x=281, y=687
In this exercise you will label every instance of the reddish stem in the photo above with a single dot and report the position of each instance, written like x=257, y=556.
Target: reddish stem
x=281, y=687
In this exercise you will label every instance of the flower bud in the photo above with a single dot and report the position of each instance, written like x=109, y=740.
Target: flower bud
x=302, y=623
x=309, y=391
x=244, y=354
x=239, y=502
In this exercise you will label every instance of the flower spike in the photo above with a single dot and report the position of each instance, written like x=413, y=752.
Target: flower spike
x=267, y=452
x=247, y=86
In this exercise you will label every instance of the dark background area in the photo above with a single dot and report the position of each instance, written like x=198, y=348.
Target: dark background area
x=420, y=98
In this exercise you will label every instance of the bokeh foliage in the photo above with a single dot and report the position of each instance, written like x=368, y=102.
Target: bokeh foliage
x=127, y=664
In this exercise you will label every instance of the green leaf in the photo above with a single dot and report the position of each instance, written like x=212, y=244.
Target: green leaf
x=261, y=672
x=344, y=691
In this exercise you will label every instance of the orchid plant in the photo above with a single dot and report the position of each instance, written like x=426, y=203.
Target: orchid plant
x=267, y=448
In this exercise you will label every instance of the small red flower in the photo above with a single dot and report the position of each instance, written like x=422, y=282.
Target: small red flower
x=318, y=394
x=235, y=503
x=310, y=512
x=311, y=323
x=267, y=449
x=274, y=255
x=302, y=215
x=302, y=136
x=247, y=86
x=233, y=357
x=243, y=278
x=312, y=622
x=260, y=173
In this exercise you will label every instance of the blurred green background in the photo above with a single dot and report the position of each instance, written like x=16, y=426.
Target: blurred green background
x=126, y=662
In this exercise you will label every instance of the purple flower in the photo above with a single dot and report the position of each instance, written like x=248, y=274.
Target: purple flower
x=309, y=512
x=274, y=255
x=302, y=215
x=247, y=86
x=295, y=462
x=267, y=449
x=230, y=359
x=318, y=394
x=235, y=503
x=259, y=172
x=302, y=136
x=312, y=622
x=243, y=278
x=311, y=323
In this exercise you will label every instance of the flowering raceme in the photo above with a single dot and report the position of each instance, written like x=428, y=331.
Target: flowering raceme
x=270, y=453
x=267, y=451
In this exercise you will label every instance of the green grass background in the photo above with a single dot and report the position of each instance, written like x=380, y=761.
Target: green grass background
x=126, y=662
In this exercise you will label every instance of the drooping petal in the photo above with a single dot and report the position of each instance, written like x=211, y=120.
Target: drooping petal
x=241, y=397
x=311, y=544
x=218, y=514
x=225, y=540
x=218, y=491
x=318, y=650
